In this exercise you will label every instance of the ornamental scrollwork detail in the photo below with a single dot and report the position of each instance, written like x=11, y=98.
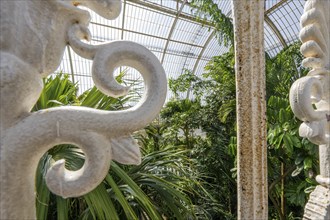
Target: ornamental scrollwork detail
x=33, y=38
x=310, y=95
x=310, y=99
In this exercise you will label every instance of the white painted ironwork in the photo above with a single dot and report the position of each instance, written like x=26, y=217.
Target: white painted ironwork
x=34, y=35
x=310, y=98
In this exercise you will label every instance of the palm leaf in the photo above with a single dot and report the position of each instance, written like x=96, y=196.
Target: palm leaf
x=42, y=194
x=141, y=198
x=130, y=214
x=158, y=187
x=100, y=204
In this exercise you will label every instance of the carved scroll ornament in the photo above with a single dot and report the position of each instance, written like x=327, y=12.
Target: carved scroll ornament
x=310, y=95
x=34, y=35
x=310, y=99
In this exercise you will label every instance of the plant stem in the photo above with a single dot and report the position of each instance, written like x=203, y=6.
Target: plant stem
x=282, y=190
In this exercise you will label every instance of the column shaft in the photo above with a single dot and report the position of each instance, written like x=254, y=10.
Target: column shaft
x=251, y=108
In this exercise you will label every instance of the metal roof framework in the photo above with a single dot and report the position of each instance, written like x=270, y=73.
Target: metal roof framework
x=171, y=31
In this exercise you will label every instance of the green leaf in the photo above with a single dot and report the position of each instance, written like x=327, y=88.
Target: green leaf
x=279, y=141
x=139, y=195
x=288, y=143
x=130, y=214
x=308, y=163
x=296, y=142
x=100, y=204
x=282, y=118
x=42, y=192
x=62, y=208
x=297, y=171
x=309, y=189
x=54, y=102
x=299, y=160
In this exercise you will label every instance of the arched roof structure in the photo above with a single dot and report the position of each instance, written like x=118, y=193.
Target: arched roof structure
x=170, y=30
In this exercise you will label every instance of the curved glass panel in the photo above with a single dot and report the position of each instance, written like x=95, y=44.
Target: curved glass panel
x=178, y=40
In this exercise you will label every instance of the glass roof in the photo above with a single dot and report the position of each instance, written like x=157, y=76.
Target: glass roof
x=168, y=29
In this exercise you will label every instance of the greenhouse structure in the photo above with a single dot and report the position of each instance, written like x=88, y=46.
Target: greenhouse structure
x=181, y=41
x=165, y=109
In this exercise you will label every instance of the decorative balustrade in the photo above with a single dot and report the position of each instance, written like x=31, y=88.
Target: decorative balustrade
x=310, y=98
x=34, y=35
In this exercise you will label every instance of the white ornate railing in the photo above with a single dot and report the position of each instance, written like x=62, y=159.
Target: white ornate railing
x=310, y=98
x=34, y=34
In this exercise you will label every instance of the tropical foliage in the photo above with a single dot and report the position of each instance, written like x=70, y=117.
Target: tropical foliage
x=292, y=161
x=188, y=170
x=208, y=11
x=160, y=187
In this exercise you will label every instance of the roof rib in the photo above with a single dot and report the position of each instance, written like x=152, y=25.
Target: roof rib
x=171, y=32
x=203, y=50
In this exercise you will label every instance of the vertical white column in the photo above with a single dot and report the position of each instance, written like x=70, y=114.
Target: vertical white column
x=251, y=108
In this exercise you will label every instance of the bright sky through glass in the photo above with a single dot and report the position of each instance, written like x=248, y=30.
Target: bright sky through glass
x=177, y=41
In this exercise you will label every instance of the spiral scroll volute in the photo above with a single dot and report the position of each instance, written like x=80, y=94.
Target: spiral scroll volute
x=310, y=95
x=101, y=135
x=111, y=128
x=309, y=99
x=315, y=35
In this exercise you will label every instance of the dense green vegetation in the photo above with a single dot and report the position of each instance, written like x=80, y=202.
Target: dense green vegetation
x=292, y=161
x=188, y=170
x=163, y=185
